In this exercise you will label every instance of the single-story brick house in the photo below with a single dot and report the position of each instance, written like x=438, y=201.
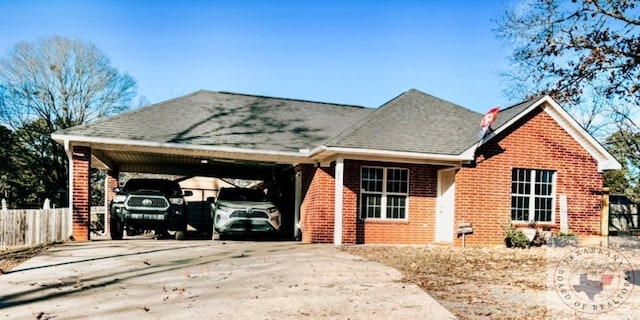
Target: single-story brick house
x=409, y=172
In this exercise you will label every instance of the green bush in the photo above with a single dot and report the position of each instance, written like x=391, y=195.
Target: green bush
x=515, y=238
x=565, y=239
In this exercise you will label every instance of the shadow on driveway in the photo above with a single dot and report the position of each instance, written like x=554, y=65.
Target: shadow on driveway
x=142, y=278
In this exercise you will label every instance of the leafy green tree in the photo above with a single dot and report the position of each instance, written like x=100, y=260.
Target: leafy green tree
x=627, y=180
x=48, y=85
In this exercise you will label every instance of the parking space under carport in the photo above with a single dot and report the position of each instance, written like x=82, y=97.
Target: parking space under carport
x=278, y=176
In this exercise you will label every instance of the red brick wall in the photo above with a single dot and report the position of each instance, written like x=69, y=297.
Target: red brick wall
x=317, y=207
x=483, y=190
x=112, y=182
x=417, y=229
x=81, y=158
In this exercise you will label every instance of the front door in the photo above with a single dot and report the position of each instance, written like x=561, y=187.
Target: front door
x=445, y=205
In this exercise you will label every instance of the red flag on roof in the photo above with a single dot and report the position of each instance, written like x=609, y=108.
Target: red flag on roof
x=487, y=120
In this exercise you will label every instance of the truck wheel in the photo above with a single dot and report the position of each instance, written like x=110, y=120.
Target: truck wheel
x=181, y=235
x=116, y=230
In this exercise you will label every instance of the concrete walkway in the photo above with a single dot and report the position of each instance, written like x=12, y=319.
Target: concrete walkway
x=167, y=279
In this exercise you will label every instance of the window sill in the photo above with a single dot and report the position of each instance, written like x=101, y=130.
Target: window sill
x=382, y=221
x=528, y=223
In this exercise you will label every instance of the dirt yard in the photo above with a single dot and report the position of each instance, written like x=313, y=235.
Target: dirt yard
x=496, y=283
x=472, y=283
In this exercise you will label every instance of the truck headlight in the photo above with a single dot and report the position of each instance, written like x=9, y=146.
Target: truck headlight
x=119, y=198
x=178, y=201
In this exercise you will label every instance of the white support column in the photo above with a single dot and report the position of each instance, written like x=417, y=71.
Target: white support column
x=107, y=214
x=339, y=186
x=298, y=203
x=69, y=152
x=564, y=219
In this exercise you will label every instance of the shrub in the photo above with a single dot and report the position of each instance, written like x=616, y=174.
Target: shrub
x=515, y=238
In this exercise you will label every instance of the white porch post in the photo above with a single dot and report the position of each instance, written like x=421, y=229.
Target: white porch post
x=298, y=203
x=339, y=180
x=69, y=152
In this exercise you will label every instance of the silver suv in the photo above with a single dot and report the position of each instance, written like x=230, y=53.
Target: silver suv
x=244, y=211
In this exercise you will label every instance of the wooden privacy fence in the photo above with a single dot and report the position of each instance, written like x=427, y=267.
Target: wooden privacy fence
x=21, y=227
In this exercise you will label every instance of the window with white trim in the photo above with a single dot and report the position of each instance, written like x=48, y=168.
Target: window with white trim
x=384, y=193
x=532, y=195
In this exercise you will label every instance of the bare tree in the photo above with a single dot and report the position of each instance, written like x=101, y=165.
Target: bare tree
x=52, y=84
x=65, y=82
x=584, y=53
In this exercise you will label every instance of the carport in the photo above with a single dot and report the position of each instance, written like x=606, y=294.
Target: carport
x=212, y=134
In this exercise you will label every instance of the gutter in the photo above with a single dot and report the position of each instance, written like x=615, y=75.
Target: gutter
x=317, y=154
x=61, y=138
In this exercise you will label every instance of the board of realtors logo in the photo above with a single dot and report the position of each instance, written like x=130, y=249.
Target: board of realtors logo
x=594, y=279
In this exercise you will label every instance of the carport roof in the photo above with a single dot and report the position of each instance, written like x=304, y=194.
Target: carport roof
x=231, y=120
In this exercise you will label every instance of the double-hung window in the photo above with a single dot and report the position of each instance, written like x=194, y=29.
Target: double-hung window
x=384, y=193
x=532, y=195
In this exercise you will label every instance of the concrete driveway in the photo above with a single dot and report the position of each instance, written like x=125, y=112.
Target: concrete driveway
x=167, y=279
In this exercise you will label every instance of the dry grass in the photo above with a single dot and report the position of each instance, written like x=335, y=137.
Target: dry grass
x=9, y=258
x=472, y=283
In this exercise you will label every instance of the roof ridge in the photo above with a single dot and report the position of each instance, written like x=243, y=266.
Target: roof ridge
x=287, y=99
x=358, y=124
x=388, y=106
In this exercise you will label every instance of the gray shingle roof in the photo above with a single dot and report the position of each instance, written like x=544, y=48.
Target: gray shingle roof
x=229, y=120
x=509, y=113
x=414, y=122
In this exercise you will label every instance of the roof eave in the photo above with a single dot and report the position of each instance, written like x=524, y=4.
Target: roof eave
x=182, y=149
x=326, y=154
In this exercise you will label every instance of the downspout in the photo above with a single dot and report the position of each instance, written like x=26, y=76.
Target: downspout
x=68, y=151
x=339, y=186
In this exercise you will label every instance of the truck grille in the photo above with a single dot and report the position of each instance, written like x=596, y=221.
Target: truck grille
x=249, y=214
x=147, y=203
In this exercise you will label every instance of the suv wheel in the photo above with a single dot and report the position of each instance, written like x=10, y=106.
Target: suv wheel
x=116, y=229
x=181, y=235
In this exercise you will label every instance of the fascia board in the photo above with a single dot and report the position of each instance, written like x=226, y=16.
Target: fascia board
x=176, y=148
x=328, y=152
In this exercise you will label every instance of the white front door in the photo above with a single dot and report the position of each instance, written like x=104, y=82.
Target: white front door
x=445, y=205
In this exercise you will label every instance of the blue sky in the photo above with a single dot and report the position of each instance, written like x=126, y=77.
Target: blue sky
x=351, y=52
